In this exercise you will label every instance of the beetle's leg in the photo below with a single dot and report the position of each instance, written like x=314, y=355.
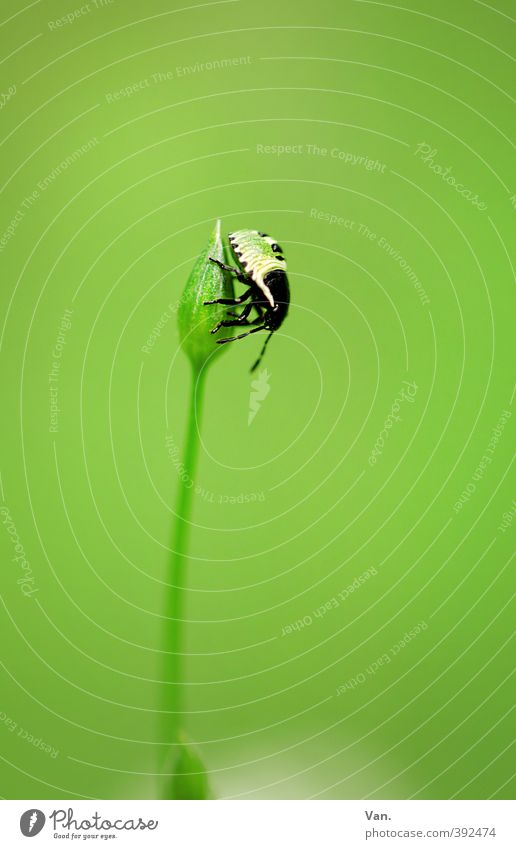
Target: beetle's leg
x=241, y=335
x=234, y=323
x=245, y=312
x=259, y=309
x=224, y=266
x=241, y=319
x=240, y=275
x=233, y=302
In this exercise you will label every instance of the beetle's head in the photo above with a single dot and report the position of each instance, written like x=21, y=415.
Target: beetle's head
x=277, y=283
x=274, y=316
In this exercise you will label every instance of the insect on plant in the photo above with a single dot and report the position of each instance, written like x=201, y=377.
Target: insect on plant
x=262, y=268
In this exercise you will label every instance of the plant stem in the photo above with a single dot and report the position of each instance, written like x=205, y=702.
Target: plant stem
x=174, y=605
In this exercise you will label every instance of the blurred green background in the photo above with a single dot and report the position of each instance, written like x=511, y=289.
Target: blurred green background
x=126, y=131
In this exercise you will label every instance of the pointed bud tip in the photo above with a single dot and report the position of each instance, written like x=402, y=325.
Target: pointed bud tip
x=207, y=282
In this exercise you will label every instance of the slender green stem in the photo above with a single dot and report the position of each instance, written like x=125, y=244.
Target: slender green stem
x=173, y=703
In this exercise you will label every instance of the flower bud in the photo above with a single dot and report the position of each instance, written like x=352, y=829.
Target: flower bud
x=207, y=282
x=189, y=779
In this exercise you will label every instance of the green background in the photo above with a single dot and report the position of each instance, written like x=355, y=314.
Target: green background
x=112, y=238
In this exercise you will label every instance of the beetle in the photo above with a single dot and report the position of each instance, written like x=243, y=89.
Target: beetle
x=262, y=268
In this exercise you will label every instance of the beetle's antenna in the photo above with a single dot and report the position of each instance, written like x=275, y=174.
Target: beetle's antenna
x=262, y=352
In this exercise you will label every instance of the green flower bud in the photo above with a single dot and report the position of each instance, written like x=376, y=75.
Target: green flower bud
x=189, y=779
x=207, y=282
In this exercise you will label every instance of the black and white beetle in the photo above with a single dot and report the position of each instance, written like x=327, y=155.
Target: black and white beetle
x=262, y=268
